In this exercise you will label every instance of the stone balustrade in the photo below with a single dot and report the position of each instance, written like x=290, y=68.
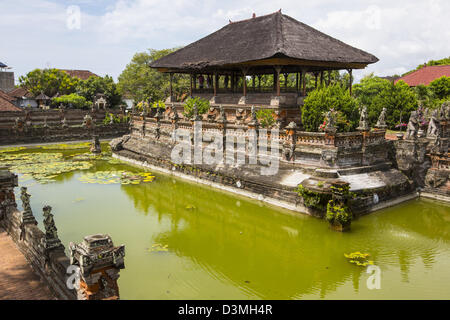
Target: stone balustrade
x=89, y=278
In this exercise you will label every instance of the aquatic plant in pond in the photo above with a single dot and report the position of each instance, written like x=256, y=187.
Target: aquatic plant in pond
x=116, y=177
x=358, y=258
x=43, y=167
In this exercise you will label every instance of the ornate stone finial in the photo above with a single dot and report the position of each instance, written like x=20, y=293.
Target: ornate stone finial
x=381, y=123
x=51, y=233
x=413, y=126
x=45, y=122
x=254, y=122
x=64, y=123
x=96, y=146
x=253, y=111
x=196, y=116
x=100, y=262
x=330, y=118
x=363, y=120
x=433, y=126
x=175, y=117
x=27, y=215
x=222, y=114
x=88, y=122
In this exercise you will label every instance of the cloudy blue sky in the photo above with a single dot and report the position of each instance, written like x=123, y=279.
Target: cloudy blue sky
x=46, y=33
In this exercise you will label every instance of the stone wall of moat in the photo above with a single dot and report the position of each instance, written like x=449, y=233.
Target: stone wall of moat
x=313, y=160
x=36, y=126
x=91, y=269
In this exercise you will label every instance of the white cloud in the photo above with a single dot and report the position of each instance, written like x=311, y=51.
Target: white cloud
x=402, y=34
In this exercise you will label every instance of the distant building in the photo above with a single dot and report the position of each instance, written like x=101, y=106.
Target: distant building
x=7, y=102
x=80, y=74
x=23, y=98
x=129, y=101
x=425, y=75
x=6, y=78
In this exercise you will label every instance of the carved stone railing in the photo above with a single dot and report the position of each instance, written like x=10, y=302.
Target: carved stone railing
x=45, y=252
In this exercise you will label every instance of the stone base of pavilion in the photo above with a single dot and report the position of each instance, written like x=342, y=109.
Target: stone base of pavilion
x=359, y=159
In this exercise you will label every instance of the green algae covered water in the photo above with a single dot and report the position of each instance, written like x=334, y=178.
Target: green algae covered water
x=188, y=241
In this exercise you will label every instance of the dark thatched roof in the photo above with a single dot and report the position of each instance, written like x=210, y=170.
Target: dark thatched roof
x=80, y=74
x=42, y=96
x=266, y=37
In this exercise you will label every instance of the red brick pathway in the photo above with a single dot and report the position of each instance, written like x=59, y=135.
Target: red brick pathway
x=17, y=279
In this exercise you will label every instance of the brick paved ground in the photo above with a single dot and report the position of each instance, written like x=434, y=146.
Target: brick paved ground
x=17, y=280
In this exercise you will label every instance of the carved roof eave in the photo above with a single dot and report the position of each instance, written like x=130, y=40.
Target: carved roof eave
x=264, y=66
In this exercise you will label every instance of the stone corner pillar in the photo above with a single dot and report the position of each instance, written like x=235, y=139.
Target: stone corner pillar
x=8, y=181
x=100, y=263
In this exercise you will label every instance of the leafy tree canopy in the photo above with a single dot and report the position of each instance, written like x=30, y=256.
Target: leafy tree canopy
x=48, y=81
x=319, y=101
x=142, y=82
x=88, y=88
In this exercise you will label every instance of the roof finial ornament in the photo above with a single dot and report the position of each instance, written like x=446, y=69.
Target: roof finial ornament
x=254, y=15
x=230, y=21
x=279, y=10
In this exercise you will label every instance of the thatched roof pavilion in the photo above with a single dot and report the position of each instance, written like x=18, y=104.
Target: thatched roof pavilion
x=270, y=44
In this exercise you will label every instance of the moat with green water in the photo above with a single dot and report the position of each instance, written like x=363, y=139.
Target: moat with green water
x=188, y=241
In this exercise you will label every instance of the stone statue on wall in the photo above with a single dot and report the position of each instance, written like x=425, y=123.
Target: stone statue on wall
x=87, y=121
x=381, y=123
x=363, y=120
x=330, y=118
x=25, y=197
x=433, y=126
x=64, y=123
x=413, y=126
x=45, y=122
x=222, y=115
x=50, y=229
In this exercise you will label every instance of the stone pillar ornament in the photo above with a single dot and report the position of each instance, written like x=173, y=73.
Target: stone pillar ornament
x=27, y=215
x=413, y=126
x=330, y=118
x=433, y=126
x=8, y=181
x=289, y=145
x=51, y=241
x=381, y=123
x=363, y=120
x=100, y=263
x=96, y=146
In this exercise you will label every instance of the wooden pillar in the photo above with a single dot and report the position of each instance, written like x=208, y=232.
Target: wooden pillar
x=315, y=76
x=286, y=75
x=232, y=82
x=321, y=78
x=296, y=82
x=259, y=83
x=215, y=83
x=351, y=80
x=277, y=82
x=171, y=86
x=274, y=81
x=244, y=81
x=304, y=82
x=192, y=82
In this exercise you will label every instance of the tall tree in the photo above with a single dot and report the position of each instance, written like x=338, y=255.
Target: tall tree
x=142, y=82
x=88, y=88
x=48, y=81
